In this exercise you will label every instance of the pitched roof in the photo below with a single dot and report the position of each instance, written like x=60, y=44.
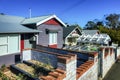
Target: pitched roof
x=35, y=20
x=68, y=30
x=15, y=28
x=41, y=19
x=11, y=24
x=90, y=32
x=11, y=19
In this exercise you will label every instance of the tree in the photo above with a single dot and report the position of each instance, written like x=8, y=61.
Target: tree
x=112, y=20
x=90, y=25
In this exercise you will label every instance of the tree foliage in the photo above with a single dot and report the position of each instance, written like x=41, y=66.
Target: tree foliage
x=113, y=20
x=90, y=25
x=111, y=27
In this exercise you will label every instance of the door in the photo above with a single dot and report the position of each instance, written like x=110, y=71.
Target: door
x=22, y=42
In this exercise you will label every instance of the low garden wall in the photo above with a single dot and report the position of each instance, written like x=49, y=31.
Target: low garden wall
x=41, y=56
x=108, y=59
x=88, y=71
x=82, y=56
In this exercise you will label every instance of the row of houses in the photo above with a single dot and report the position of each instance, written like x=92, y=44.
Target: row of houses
x=18, y=33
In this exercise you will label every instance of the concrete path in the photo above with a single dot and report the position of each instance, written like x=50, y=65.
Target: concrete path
x=114, y=73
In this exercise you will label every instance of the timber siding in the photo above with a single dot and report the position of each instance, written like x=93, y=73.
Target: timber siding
x=43, y=38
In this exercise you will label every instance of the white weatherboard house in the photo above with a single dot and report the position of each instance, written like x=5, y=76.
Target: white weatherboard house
x=11, y=40
x=71, y=34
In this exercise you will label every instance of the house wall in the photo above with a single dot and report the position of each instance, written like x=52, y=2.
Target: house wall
x=9, y=43
x=28, y=43
x=9, y=59
x=43, y=38
x=52, y=22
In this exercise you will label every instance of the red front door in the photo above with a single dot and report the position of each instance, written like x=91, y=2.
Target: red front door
x=22, y=42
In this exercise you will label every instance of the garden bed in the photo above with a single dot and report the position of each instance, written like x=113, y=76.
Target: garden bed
x=29, y=70
x=34, y=69
x=7, y=74
x=40, y=64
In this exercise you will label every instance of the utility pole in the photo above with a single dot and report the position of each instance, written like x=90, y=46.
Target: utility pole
x=30, y=12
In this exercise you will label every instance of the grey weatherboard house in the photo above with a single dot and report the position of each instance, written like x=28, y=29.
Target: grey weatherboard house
x=51, y=30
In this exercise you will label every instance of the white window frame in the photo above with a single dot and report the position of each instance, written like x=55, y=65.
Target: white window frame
x=8, y=44
x=52, y=38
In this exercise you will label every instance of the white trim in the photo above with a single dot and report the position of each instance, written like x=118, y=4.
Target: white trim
x=36, y=38
x=53, y=16
x=19, y=42
x=53, y=38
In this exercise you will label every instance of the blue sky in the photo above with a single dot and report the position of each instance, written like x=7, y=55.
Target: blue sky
x=69, y=11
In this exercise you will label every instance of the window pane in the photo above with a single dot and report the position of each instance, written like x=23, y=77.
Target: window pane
x=52, y=38
x=13, y=43
x=3, y=39
x=56, y=38
x=3, y=49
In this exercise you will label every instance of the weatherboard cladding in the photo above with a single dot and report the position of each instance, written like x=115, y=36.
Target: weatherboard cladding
x=43, y=38
x=52, y=21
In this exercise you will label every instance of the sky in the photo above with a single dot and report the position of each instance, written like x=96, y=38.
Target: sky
x=69, y=11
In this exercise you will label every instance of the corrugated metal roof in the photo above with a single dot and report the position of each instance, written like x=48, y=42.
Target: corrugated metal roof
x=11, y=19
x=11, y=24
x=90, y=32
x=35, y=19
x=15, y=28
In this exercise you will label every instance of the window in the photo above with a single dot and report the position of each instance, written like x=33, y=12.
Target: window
x=9, y=44
x=3, y=44
x=52, y=38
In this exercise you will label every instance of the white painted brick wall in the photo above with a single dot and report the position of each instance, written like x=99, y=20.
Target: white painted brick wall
x=108, y=61
x=71, y=70
x=26, y=55
x=91, y=74
x=118, y=51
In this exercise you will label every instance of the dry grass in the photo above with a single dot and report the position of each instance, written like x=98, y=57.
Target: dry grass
x=10, y=75
x=26, y=68
x=38, y=63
